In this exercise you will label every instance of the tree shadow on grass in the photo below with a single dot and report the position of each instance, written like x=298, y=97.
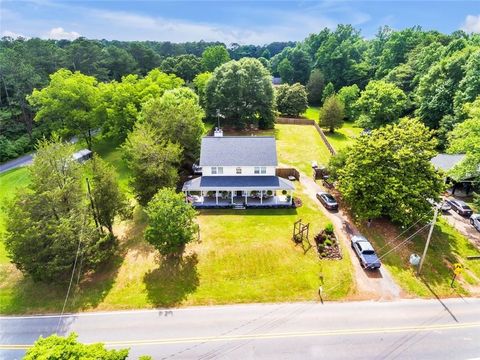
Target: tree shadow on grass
x=170, y=284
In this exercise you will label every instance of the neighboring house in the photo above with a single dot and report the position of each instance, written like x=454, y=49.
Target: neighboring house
x=446, y=162
x=276, y=81
x=82, y=155
x=238, y=171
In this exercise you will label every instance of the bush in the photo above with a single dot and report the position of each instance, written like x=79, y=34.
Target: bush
x=328, y=242
x=329, y=228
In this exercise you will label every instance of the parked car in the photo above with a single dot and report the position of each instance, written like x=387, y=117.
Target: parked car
x=365, y=252
x=443, y=205
x=460, y=207
x=475, y=221
x=327, y=200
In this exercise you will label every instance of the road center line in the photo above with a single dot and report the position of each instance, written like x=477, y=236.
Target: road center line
x=266, y=336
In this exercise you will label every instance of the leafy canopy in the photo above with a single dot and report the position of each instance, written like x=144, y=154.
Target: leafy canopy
x=291, y=99
x=388, y=173
x=171, y=222
x=55, y=347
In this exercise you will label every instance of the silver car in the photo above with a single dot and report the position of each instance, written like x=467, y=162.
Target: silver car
x=475, y=221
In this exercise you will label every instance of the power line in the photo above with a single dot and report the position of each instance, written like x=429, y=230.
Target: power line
x=404, y=241
x=73, y=273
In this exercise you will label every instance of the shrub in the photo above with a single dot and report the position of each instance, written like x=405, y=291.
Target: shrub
x=329, y=228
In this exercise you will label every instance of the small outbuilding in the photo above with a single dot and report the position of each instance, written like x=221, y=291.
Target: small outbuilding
x=82, y=155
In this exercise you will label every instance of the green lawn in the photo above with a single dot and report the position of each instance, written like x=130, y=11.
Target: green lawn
x=446, y=248
x=342, y=137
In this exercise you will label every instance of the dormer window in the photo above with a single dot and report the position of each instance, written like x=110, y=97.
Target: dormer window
x=238, y=170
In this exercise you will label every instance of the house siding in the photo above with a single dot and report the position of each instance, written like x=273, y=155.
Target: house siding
x=232, y=170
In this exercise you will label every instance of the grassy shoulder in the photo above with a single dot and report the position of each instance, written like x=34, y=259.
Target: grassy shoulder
x=447, y=247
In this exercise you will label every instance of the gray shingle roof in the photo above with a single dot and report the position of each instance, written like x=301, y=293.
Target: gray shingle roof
x=238, y=182
x=447, y=161
x=238, y=151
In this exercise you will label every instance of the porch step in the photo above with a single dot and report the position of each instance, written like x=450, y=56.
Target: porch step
x=239, y=207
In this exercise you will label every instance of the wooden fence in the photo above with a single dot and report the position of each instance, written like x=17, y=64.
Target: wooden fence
x=286, y=172
x=297, y=121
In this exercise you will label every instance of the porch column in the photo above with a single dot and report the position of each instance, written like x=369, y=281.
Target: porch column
x=246, y=194
x=291, y=197
x=203, y=196
x=261, y=197
x=232, y=196
x=216, y=197
x=275, y=196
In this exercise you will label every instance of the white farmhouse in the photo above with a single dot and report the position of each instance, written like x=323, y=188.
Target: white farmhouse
x=238, y=171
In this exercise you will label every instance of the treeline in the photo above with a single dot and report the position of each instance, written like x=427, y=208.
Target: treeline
x=27, y=64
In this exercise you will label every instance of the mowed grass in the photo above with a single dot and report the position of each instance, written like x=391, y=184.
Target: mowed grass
x=447, y=247
x=243, y=256
x=341, y=138
x=10, y=182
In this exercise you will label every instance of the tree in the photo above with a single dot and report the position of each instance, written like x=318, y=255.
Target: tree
x=200, y=84
x=152, y=160
x=118, y=62
x=107, y=200
x=328, y=91
x=291, y=99
x=214, y=56
x=177, y=118
x=71, y=102
x=388, y=173
x=48, y=224
x=286, y=71
x=145, y=57
x=123, y=100
x=339, y=55
x=380, y=103
x=465, y=139
x=56, y=347
x=242, y=92
x=315, y=86
x=348, y=95
x=171, y=223
x=332, y=114
x=86, y=57
x=184, y=66
x=300, y=61
x=469, y=86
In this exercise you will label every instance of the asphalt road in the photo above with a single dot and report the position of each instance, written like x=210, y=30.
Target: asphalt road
x=404, y=329
x=15, y=163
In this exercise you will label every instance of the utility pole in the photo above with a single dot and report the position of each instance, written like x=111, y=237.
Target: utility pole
x=437, y=207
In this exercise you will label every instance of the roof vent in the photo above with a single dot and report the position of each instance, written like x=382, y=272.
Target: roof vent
x=218, y=132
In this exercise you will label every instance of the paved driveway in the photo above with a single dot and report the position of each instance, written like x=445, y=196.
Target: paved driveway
x=463, y=225
x=374, y=285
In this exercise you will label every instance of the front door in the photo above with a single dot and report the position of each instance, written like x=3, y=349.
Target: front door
x=239, y=193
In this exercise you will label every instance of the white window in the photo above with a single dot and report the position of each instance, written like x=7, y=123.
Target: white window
x=260, y=170
x=214, y=170
x=256, y=170
x=220, y=170
x=238, y=170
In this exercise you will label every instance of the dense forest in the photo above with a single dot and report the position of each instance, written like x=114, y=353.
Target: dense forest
x=412, y=72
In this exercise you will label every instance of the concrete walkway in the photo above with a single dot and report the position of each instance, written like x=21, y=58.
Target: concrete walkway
x=373, y=285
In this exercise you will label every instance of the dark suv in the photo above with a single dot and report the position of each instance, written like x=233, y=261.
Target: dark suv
x=460, y=207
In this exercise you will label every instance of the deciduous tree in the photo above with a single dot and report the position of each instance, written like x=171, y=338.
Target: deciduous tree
x=55, y=347
x=388, y=173
x=315, y=86
x=380, y=103
x=214, y=56
x=291, y=99
x=242, y=92
x=171, y=223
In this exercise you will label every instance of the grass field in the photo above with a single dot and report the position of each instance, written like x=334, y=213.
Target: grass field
x=342, y=137
x=446, y=248
x=244, y=256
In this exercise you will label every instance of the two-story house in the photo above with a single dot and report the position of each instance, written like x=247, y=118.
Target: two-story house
x=238, y=171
